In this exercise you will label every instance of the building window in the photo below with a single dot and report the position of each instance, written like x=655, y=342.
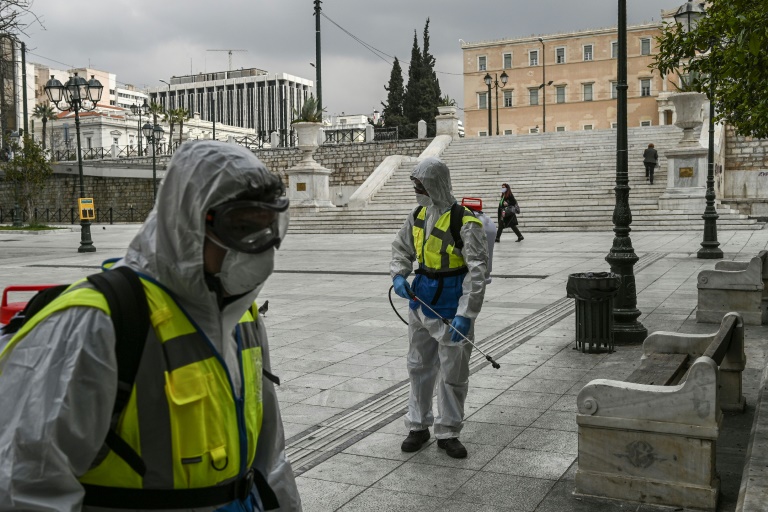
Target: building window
x=560, y=96
x=587, y=90
x=645, y=46
x=645, y=87
x=615, y=50
x=507, y=60
x=88, y=142
x=482, y=63
x=482, y=101
x=646, y=123
x=614, y=125
x=483, y=134
x=560, y=128
x=533, y=95
x=507, y=98
x=614, y=90
x=587, y=52
x=587, y=127
x=533, y=57
x=115, y=141
x=507, y=132
x=533, y=130
x=560, y=55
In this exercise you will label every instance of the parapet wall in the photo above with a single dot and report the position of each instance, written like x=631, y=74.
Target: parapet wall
x=116, y=185
x=745, y=185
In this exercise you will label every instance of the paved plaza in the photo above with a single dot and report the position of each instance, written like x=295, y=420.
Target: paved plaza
x=340, y=352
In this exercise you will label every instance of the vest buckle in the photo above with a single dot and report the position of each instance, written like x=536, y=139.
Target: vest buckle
x=244, y=485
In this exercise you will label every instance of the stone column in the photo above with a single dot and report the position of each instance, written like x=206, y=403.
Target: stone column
x=447, y=122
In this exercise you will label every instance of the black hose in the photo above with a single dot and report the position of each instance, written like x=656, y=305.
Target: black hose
x=393, y=305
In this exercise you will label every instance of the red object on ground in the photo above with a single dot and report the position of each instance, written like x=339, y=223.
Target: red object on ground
x=473, y=203
x=8, y=309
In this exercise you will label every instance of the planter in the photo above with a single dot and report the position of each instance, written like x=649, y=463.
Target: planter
x=307, y=134
x=447, y=110
x=688, y=107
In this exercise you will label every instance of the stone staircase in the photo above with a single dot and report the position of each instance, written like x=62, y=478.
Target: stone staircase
x=563, y=181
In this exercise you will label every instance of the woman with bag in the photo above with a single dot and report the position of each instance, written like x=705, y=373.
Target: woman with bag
x=508, y=210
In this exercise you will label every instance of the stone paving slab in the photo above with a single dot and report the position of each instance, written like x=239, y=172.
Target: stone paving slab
x=340, y=352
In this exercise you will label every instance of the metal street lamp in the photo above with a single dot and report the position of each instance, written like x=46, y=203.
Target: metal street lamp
x=139, y=110
x=153, y=135
x=17, y=216
x=542, y=87
x=494, y=82
x=77, y=94
x=487, y=79
x=688, y=16
x=622, y=257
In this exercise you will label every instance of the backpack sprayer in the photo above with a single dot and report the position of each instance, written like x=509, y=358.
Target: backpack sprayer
x=444, y=320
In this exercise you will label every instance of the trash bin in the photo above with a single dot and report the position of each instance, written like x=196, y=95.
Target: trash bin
x=594, y=293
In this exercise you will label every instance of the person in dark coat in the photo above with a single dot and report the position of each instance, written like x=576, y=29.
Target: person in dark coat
x=650, y=159
x=510, y=219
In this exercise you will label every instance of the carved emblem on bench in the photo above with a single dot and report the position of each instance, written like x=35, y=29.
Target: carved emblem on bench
x=640, y=454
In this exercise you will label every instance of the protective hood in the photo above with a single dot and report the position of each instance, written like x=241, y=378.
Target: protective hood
x=169, y=246
x=436, y=178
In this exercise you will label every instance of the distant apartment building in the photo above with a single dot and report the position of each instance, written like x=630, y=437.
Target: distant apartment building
x=579, y=91
x=246, y=98
x=128, y=95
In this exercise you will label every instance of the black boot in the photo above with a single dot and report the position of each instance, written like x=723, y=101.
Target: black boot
x=453, y=447
x=415, y=440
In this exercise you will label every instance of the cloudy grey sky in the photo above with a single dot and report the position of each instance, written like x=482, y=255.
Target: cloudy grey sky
x=143, y=41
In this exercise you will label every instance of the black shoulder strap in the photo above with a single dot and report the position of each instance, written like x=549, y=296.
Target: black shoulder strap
x=129, y=310
x=417, y=212
x=457, y=215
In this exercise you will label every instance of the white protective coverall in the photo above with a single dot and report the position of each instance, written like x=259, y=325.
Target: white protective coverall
x=59, y=384
x=432, y=356
x=490, y=236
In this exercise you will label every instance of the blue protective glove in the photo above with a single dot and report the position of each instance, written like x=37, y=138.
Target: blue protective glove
x=402, y=288
x=462, y=325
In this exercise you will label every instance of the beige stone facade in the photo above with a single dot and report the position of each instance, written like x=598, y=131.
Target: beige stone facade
x=580, y=94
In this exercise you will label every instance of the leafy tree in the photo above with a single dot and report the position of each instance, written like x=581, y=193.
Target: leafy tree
x=28, y=170
x=393, y=108
x=735, y=65
x=44, y=112
x=180, y=115
x=156, y=109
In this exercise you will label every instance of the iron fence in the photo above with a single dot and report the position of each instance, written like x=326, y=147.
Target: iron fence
x=385, y=134
x=345, y=136
x=69, y=215
x=250, y=142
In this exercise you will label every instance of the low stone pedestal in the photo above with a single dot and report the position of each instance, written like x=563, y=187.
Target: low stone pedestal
x=686, y=180
x=308, y=180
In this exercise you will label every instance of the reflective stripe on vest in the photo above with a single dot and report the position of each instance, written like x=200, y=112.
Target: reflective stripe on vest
x=182, y=418
x=439, y=252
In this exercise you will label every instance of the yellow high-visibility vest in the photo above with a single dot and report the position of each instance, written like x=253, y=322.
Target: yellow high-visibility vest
x=439, y=252
x=183, y=418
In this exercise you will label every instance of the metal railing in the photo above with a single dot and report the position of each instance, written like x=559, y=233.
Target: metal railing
x=385, y=134
x=250, y=142
x=69, y=215
x=345, y=136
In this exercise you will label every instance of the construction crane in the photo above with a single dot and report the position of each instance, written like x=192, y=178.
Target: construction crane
x=230, y=55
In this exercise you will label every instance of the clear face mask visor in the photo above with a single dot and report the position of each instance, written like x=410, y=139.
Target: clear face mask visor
x=249, y=226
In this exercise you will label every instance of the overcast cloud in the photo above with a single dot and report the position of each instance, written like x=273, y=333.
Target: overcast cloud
x=143, y=41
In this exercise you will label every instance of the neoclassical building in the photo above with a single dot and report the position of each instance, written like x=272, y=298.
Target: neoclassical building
x=246, y=98
x=571, y=76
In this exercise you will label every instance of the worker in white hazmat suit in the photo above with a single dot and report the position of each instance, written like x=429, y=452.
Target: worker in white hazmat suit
x=449, y=245
x=202, y=421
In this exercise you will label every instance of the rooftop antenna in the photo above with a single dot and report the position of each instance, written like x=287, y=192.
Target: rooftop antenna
x=230, y=55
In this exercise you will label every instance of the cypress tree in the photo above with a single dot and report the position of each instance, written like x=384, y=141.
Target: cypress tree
x=412, y=99
x=431, y=83
x=393, y=108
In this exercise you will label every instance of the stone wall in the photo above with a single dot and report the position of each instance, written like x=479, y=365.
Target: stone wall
x=746, y=174
x=132, y=197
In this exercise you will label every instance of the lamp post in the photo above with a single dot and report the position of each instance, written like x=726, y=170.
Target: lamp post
x=622, y=257
x=139, y=110
x=487, y=80
x=688, y=16
x=542, y=87
x=75, y=93
x=153, y=135
x=494, y=82
x=17, y=217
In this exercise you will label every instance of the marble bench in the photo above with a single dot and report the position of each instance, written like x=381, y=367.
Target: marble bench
x=652, y=438
x=735, y=286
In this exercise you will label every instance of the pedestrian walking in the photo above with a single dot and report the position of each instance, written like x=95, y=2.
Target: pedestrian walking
x=449, y=244
x=200, y=428
x=651, y=161
x=476, y=205
x=507, y=213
